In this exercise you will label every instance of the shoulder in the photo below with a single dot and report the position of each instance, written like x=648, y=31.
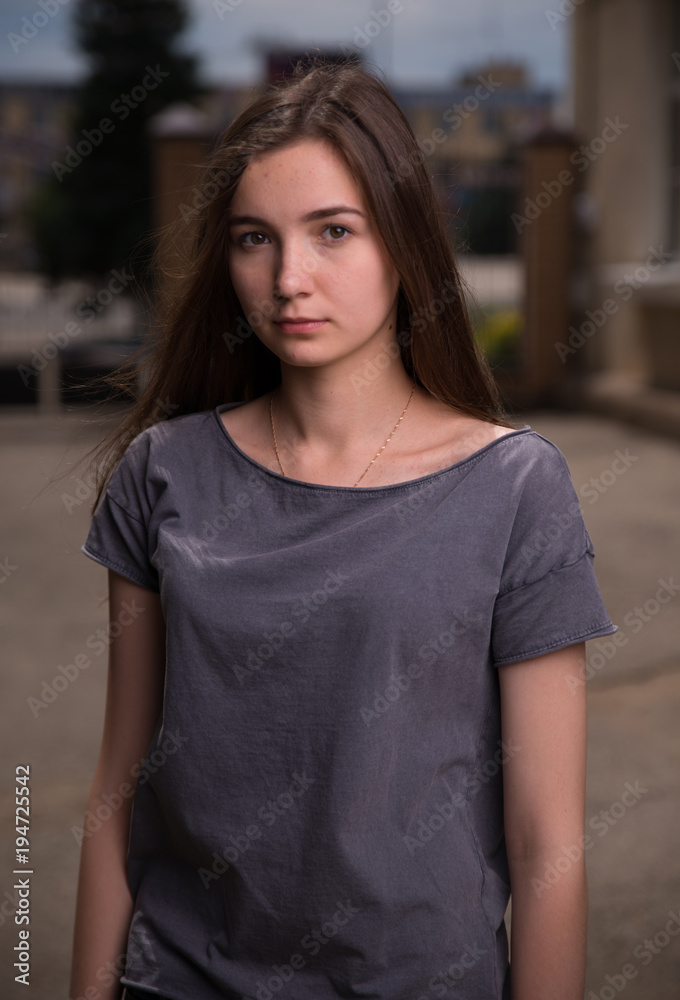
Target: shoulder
x=463, y=436
x=544, y=479
x=531, y=456
x=528, y=482
x=519, y=450
x=158, y=448
x=548, y=530
x=164, y=435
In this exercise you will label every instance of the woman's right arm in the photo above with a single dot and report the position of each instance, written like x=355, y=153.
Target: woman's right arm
x=134, y=699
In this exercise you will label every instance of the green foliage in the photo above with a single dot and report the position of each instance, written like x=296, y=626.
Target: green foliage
x=95, y=207
x=499, y=333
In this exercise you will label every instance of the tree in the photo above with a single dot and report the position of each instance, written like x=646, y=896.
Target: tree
x=94, y=209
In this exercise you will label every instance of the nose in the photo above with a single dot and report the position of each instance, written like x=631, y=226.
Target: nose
x=295, y=270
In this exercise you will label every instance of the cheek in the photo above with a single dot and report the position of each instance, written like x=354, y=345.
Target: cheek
x=247, y=284
x=369, y=285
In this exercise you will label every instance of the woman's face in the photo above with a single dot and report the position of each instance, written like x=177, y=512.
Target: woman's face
x=301, y=246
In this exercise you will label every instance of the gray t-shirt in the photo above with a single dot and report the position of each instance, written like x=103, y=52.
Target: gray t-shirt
x=319, y=813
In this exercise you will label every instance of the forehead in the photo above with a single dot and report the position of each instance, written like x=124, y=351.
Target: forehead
x=297, y=176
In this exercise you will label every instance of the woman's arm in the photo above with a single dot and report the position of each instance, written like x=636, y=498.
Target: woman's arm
x=544, y=801
x=133, y=705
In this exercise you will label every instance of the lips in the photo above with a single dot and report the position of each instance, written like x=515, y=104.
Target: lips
x=299, y=324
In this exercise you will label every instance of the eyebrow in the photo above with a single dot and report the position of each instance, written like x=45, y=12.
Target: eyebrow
x=319, y=213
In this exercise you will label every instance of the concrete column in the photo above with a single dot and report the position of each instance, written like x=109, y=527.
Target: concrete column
x=49, y=387
x=182, y=137
x=547, y=246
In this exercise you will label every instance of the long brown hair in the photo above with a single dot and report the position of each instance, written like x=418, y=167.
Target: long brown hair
x=204, y=352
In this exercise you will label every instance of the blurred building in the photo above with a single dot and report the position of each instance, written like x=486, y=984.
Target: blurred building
x=626, y=70
x=481, y=116
x=280, y=61
x=34, y=129
x=471, y=134
x=468, y=135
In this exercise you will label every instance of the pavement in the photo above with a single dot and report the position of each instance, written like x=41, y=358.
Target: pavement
x=53, y=598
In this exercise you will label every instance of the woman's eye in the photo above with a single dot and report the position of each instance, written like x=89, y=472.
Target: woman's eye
x=336, y=227
x=243, y=238
x=255, y=239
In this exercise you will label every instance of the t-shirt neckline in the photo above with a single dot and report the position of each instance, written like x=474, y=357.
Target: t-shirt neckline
x=221, y=407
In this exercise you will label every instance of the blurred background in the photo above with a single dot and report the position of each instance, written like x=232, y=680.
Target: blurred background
x=551, y=130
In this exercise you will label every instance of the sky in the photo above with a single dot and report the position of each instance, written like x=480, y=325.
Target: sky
x=418, y=43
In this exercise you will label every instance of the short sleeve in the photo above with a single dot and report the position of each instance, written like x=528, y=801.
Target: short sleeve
x=119, y=531
x=549, y=597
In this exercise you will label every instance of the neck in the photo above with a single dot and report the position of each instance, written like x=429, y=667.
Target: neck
x=327, y=415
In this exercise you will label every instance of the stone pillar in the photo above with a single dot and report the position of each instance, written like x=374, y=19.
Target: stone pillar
x=547, y=248
x=49, y=386
x=182, y=136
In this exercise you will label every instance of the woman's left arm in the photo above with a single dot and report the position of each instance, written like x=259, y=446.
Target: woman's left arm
x=544, y=715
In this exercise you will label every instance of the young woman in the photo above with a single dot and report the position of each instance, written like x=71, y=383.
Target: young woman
x=348, y=606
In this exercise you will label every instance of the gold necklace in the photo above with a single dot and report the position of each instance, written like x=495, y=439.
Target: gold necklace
x=271, y=418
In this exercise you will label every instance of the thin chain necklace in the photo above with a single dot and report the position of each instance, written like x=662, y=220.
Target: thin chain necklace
x=271, y=418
